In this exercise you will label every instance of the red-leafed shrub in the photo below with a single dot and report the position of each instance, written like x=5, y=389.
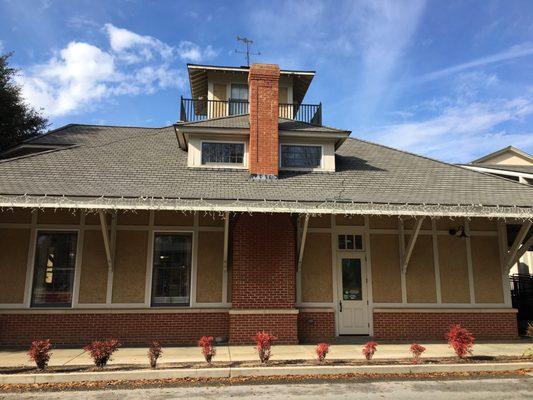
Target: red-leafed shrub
x=369, y=349
x=101, y=350
x=154, y=352
x=40, y=352
x=460, y=340
x=416, y=350
x=322, y=349
x=208, y=348
x=263, y=343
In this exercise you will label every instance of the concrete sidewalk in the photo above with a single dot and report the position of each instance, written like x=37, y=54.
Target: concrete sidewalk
x=137, y=355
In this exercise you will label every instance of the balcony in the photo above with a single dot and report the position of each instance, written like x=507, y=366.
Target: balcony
x=198, y=110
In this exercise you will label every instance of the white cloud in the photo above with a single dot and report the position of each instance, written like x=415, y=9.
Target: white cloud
x=513, y=52
x=462, y=132
x=385, y=30
x=80, y=75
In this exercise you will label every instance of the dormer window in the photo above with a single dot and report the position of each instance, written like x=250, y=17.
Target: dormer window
x=301, y=156
x=222, y=153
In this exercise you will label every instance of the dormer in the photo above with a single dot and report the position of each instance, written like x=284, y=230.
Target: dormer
x=223, y=91
x=253, y=118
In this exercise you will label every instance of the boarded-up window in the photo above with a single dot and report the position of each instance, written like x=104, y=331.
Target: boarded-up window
x=218, y=108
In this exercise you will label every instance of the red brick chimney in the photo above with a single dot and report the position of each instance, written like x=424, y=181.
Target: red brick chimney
x=263, y=93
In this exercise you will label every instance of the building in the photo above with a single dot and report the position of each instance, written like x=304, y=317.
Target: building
x=248, y=215
x=517, y=165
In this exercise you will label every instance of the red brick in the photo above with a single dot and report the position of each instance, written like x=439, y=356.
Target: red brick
x=130, y=328
x=263, y=92
x=434, y=325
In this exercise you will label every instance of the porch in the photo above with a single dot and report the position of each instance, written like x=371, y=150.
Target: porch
x=175, y=276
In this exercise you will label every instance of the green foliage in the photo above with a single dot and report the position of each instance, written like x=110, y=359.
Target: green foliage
x=18, y=120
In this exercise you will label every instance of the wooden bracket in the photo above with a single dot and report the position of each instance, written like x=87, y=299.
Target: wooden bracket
x=302, y=242
x=411, y=245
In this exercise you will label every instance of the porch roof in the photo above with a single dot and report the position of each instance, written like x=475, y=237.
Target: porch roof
x=111, y=167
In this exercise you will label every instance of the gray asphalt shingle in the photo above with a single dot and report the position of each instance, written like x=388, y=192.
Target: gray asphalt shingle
x=135, y=162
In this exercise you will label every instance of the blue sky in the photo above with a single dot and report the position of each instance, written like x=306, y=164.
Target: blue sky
x=448, y=79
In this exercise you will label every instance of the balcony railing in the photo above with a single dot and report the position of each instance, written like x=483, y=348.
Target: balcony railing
x=192, y=110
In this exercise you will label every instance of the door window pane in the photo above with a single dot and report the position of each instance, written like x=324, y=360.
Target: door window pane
x=350, y=242
x=297, y=156
x=351, y=279
x=55, y=262
x=172, y=269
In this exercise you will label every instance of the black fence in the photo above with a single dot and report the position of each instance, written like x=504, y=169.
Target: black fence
x=522, y=297
x=192, y=110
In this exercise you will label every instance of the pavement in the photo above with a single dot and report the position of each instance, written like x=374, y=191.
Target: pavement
x=474, y=389
x=137, y=355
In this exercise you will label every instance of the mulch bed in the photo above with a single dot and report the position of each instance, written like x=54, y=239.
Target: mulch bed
x=272, y=363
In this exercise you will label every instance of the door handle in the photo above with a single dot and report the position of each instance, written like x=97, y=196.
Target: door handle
x=340, y=306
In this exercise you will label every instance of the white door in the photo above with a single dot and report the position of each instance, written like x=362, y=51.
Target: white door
x=352, y=311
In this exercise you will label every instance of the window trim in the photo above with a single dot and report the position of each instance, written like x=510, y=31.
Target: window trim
x=319, y=168
x=192, y=278
x=244, y=163
x=77, y=266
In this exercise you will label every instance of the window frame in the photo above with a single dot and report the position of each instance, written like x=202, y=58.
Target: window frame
x=319, y=168
x=346, y=234
x=75, y=279
x=192, y=276
x=242, y=165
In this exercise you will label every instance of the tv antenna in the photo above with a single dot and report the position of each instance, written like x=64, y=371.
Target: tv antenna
x=248, y=43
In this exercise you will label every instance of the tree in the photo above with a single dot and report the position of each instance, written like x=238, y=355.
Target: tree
x=18, y=120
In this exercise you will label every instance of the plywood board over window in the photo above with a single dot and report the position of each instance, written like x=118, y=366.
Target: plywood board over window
x=173, y=218
x=487, y=269
x=383, y=222
x=453, y=269
x=64, y=217
x=130, y=267
x=94, y=269
x=386, y=278
x=13, y=262
x=320, y=221
x=15, y=216
x=133, y=218
x=209, y=267
x=350, y=220
x=316, y=276
x=420, y=278
x=211, y=220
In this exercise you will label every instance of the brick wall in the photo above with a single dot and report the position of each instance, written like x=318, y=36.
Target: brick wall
x=434, y=325
x=263, y=264
x=130, y=328
x=263, y=277
x=314, y=327
x=244, y=326
x=263, y=87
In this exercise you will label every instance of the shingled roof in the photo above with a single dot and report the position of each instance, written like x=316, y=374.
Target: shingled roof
x=243, y=122
x=130, y=163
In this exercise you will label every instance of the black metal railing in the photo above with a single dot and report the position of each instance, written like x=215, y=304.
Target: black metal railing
x=192, y=110
x=522, y=295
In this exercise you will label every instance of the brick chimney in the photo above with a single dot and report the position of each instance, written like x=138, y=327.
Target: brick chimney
x=263, y=93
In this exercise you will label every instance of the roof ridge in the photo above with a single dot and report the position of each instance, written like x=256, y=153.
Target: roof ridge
x=441, y=162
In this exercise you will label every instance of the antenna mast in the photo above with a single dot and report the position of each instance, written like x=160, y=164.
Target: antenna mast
x=248, y=43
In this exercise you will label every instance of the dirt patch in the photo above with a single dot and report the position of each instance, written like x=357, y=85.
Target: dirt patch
x=197, y=382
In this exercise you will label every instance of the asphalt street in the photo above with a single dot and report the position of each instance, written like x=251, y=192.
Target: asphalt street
x=483, y=389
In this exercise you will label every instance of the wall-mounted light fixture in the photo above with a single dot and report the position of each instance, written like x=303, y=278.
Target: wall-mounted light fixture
x=459, y=232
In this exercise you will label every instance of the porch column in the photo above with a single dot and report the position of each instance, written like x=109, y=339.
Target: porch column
x=263, y=274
